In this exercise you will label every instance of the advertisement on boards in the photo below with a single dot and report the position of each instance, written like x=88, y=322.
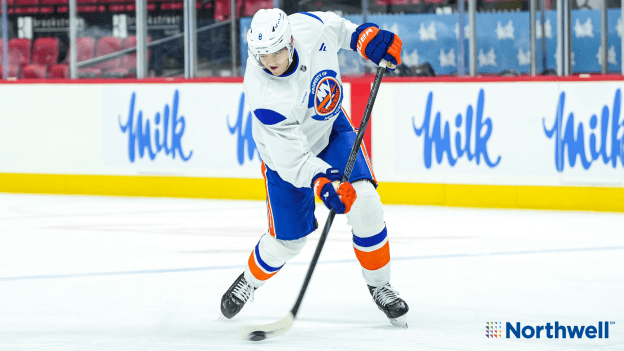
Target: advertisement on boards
x=518, y=133
x=186, y=129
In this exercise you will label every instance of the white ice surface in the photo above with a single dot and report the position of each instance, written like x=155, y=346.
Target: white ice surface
x=114, y=273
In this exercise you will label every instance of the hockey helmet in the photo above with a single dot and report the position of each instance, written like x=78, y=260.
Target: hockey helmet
x=270, y=32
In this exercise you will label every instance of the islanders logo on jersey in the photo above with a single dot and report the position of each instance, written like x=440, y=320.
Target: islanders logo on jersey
x=325, y=95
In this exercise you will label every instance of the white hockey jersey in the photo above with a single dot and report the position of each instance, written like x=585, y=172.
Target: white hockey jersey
x=294, y=113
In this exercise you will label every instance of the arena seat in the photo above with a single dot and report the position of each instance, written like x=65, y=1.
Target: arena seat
x=105, y=46
x=251, y=7
x=86, y=49
x=25, y=10
x=243, y=8
x=129, y=61
x=19, y=51
x=59, y=71
x=13, y=71
x=222, y=9
x=34, y=71
x=118, y=73
x=391, y=2
x=86, y=8
x=45, y=51
x=54, y=2
x=171, y=6
x=89, y=73
x=116, y=8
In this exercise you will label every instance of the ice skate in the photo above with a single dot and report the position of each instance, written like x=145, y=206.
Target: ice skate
x=391, y=304
x=235, y=297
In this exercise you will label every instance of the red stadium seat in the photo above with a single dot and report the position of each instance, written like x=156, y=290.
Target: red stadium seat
x=45, y=51
x=85, y=52
x=24, y=10
x=105, y=46
x=86, y=9
x=54, y=2
x=391, y=2
x=251, y=7
x=129, y=61
x=118, y=73
x=34, y=71
x=222, y=9
x=117, y=8
x=172, y=6
x=26, y=2
x=13, y=71
x=19, y=51
x=60, y=71
x=86, y=49
x=89, y=73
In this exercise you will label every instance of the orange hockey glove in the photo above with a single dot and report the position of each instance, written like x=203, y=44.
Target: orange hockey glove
x=336, y=197
x=376, y=44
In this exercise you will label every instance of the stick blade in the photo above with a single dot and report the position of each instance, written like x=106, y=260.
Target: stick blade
x=265, y=331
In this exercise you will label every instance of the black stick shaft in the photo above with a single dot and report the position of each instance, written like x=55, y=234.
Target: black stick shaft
x=345, y=177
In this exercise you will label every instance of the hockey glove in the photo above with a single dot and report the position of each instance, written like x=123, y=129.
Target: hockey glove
x=376, y=44
x=336, y=196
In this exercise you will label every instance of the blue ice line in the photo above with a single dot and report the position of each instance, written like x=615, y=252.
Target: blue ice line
x=177, y=270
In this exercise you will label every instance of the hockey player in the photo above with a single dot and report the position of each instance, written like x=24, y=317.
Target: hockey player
x=293, y=86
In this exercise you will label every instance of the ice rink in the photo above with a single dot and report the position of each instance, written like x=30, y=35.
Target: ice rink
x=114, y=273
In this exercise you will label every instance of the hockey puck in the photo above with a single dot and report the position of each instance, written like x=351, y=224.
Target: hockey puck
x=257, y=335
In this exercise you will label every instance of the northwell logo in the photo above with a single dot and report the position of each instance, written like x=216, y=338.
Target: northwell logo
x=493, y=330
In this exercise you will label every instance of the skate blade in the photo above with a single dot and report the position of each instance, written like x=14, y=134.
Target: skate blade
x=400, y=322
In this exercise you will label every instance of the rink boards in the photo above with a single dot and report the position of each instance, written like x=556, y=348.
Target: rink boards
x=547, y=144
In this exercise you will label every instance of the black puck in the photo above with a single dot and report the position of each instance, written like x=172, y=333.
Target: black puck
x=257, y=335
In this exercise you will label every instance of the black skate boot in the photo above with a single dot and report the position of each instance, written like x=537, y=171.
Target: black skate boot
x=391, y=304
x=236, y=296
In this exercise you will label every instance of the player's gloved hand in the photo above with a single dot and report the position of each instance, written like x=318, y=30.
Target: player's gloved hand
x=376, y=44
x=336, y=196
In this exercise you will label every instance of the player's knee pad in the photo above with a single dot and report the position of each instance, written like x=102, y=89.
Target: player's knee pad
x=366, y=215
x=279, y=251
